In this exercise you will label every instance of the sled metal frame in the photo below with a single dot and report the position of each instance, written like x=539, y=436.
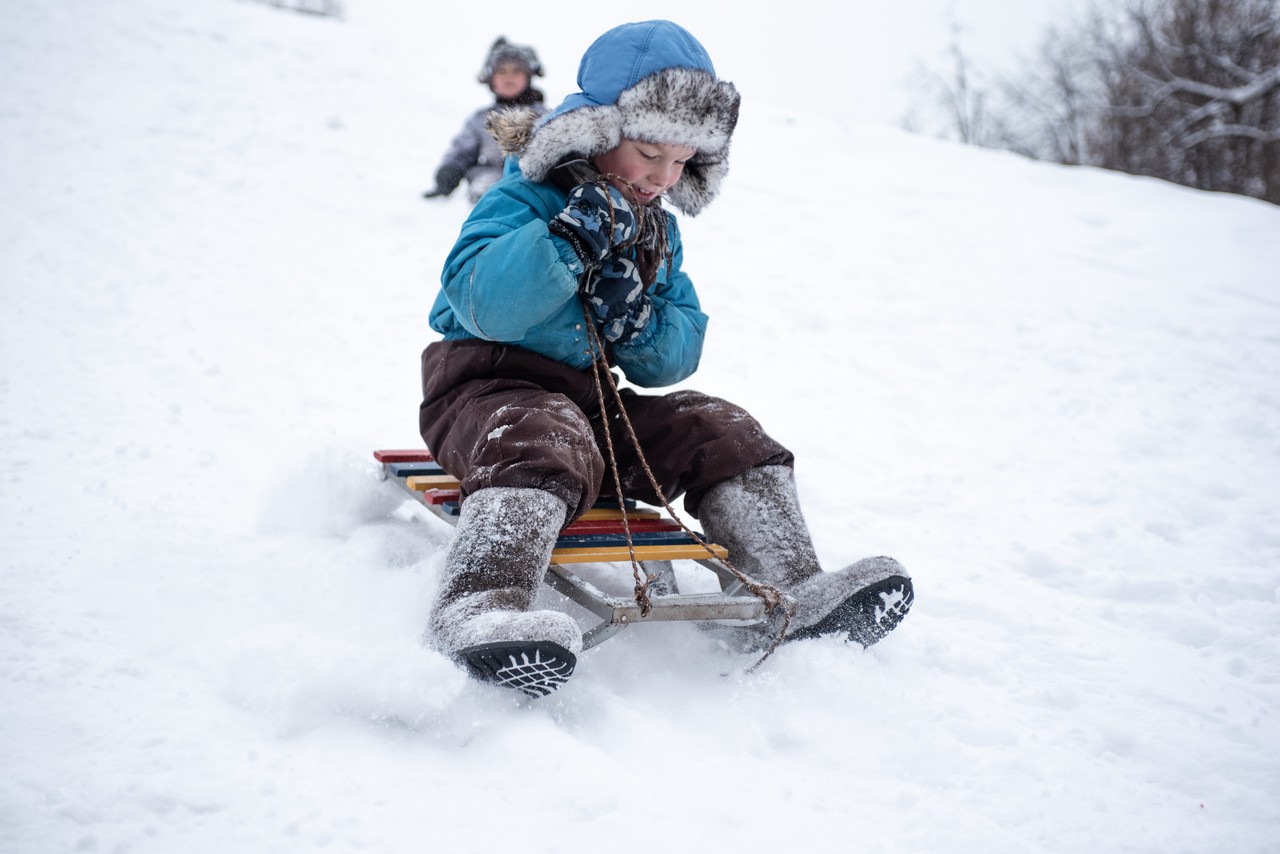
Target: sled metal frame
x=733, y=602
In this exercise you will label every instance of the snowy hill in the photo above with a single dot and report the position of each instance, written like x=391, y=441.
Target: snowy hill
x=1053, y=393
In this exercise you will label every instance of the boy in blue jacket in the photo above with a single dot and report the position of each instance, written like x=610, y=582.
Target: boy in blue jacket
x=575, y=234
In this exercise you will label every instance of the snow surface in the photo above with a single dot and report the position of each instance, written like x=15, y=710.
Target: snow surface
x=1053, y=393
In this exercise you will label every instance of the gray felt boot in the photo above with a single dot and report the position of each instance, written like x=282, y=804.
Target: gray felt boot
x=757, y=517
x=492, y=573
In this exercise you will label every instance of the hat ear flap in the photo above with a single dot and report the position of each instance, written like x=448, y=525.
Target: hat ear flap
x=585, y=132
x=699, y=184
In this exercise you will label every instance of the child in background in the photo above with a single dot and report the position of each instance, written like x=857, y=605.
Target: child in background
x=576, y=233
x=508, y=71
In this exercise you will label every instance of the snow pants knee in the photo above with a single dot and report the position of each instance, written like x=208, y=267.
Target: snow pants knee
x=498, y=415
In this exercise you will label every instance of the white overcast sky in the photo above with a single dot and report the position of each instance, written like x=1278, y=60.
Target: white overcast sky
x=848, y=55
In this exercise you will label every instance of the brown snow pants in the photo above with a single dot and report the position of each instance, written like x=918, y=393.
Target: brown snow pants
x=499, y=415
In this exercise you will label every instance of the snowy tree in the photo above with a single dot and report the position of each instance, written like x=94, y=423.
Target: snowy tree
x=1184, y=90
x=1193, y=96
x=1045, y=112
x=955, y=98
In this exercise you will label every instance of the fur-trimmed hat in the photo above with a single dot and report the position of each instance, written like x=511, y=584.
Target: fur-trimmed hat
x=651, y=82
x=502, y=52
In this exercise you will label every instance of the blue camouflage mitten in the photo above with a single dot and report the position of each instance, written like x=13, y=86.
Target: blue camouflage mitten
x=596, y=219
x=618, y=300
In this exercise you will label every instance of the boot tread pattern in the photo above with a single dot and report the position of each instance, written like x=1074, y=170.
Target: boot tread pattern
x=535, y=668
x=868, y=615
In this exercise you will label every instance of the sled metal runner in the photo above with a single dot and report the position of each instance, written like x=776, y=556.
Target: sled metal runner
x=598, y=538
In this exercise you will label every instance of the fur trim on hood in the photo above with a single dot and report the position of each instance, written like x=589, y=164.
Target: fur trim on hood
x=651, y=82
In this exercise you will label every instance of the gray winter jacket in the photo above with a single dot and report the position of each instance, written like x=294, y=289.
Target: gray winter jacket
x=475, y=155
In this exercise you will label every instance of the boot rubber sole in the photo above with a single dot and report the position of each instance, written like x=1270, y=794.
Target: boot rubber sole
x=867, y=615
x=535, y=668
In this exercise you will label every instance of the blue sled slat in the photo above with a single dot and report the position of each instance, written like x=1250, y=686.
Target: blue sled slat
x=411, y=469
x=639, y=538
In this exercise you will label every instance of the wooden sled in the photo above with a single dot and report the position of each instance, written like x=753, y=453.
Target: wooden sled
x=599, y=538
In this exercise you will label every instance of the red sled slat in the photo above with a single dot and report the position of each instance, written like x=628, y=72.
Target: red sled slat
x=403, y=456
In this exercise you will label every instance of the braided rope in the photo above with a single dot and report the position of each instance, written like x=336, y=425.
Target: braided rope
x=651, y=241
x=772, y=597
x=642, y=586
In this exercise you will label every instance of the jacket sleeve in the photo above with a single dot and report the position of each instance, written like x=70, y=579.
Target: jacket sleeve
x=507, y=273
x=464, y=149
x=670, y=346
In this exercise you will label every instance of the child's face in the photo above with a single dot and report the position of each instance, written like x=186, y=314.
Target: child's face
x=509, y=80
x=647, y=169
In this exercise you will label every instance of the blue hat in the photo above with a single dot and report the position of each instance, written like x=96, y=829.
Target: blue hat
x=651, y=82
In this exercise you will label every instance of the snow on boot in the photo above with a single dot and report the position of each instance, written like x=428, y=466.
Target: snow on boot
x=492, y=572
x=871, y=597
x=757, y=517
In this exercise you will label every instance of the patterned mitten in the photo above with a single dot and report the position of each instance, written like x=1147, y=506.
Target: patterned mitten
x=618, y=300
x=596, y=219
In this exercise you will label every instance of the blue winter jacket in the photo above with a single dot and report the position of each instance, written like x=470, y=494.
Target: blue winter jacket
x=509, y=280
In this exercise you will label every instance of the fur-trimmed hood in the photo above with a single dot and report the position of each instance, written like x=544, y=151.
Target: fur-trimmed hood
x=651, y=82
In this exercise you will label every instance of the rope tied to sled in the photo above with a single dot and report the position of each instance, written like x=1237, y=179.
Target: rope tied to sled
x=772, y=597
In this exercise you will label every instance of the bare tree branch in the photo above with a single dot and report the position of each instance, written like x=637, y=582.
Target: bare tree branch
x=1186, y=90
